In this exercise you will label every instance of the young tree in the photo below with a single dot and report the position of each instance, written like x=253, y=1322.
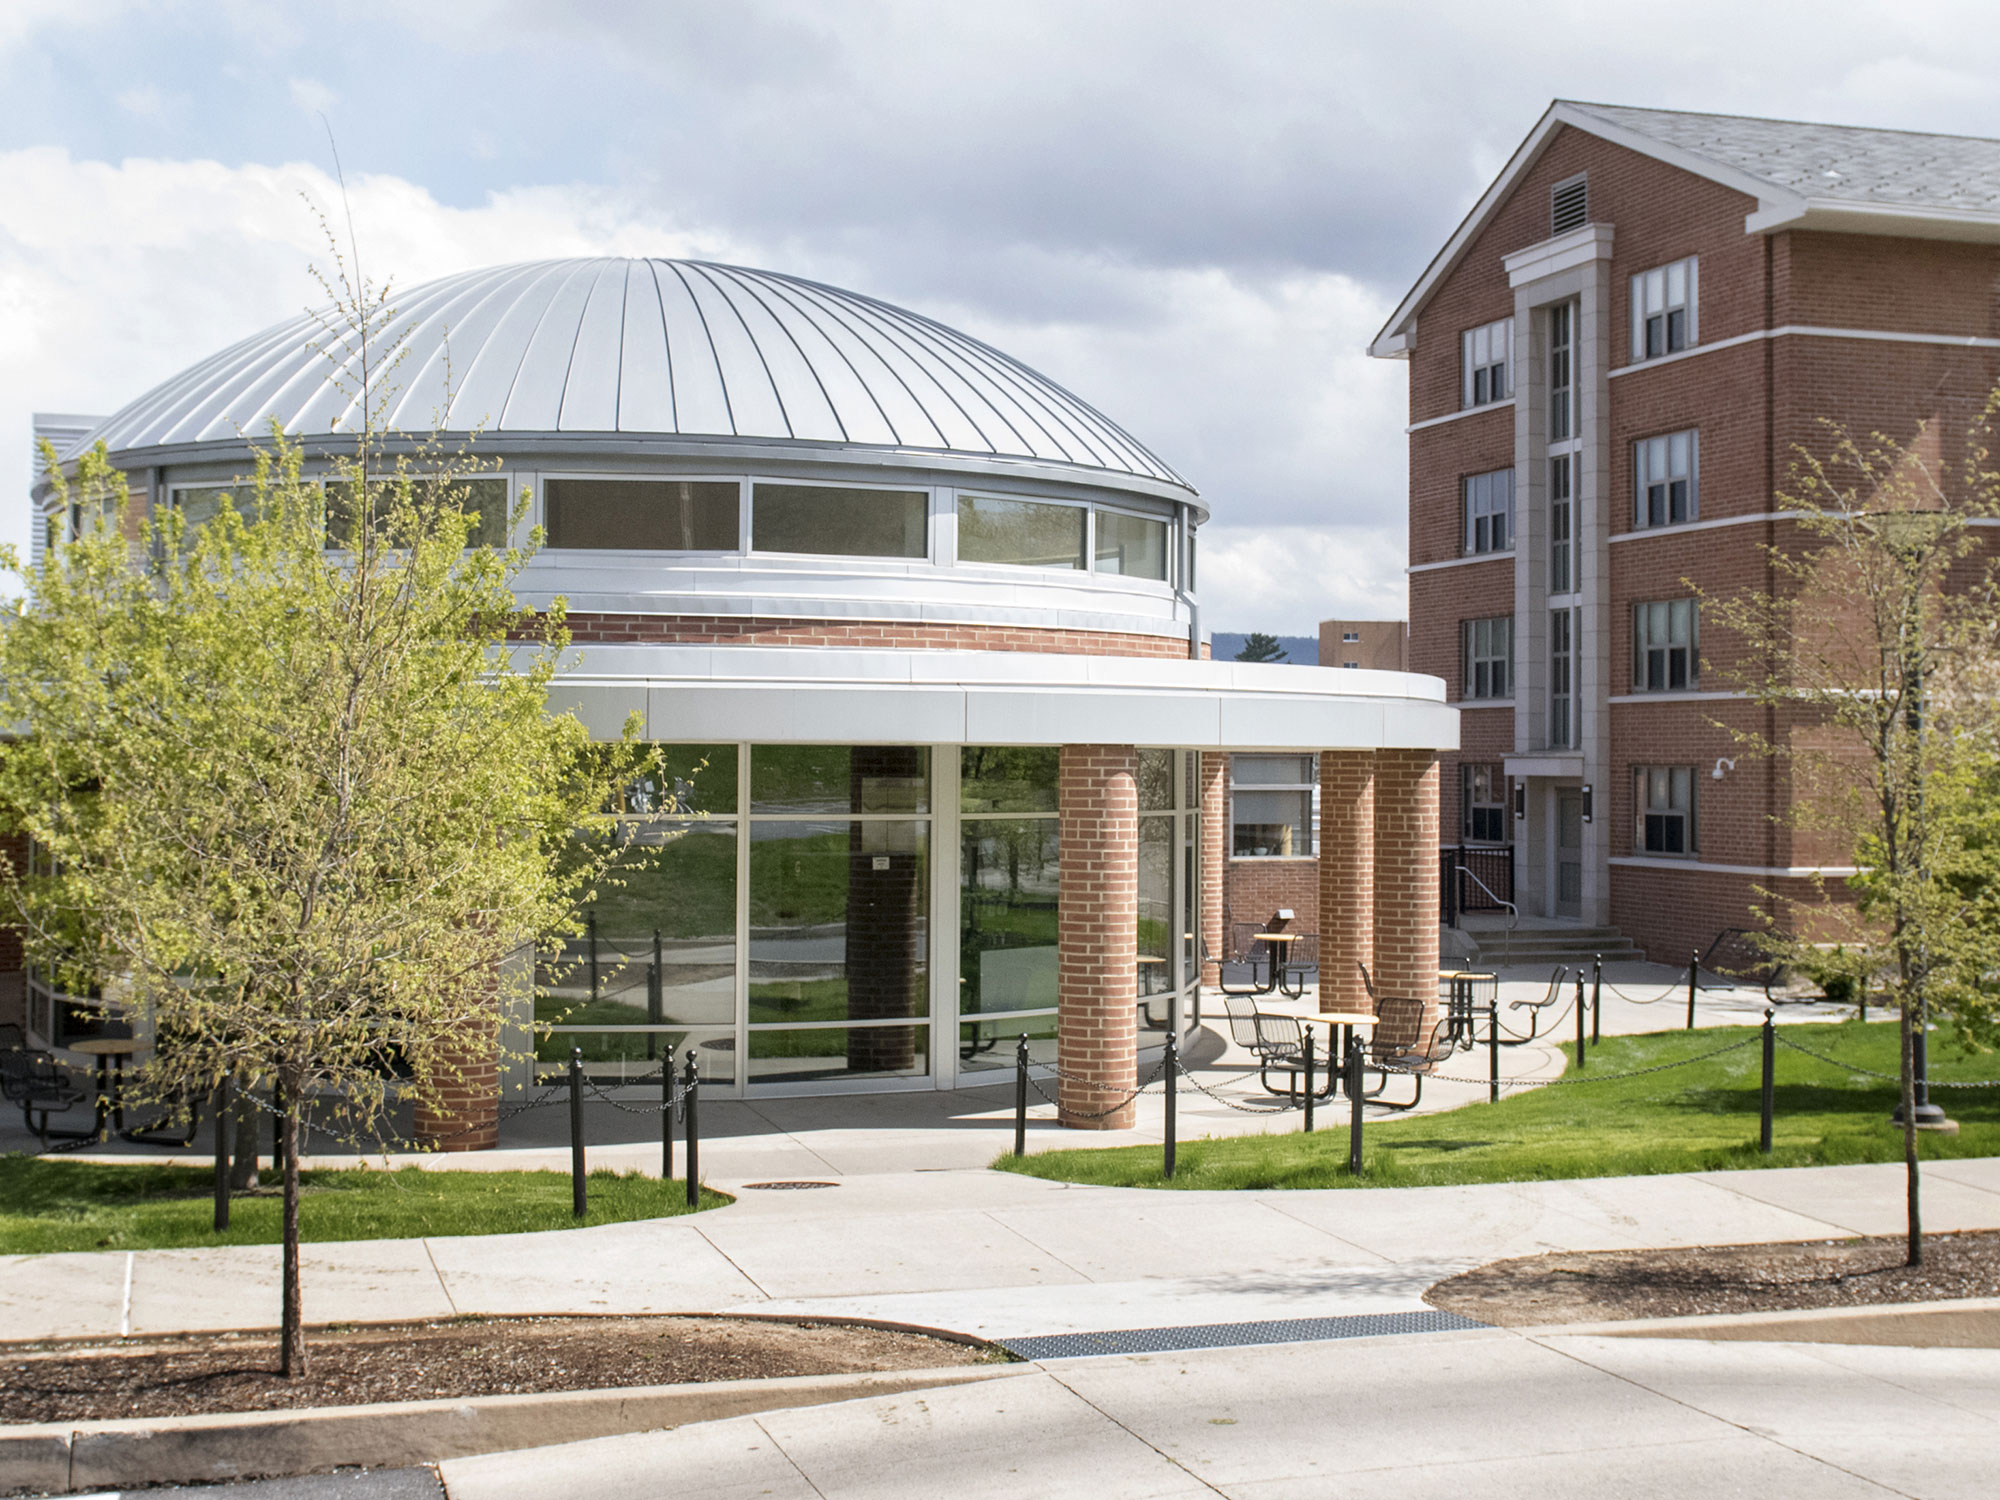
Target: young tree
x=1257, y=646
x=1876, y=646
x=292, y=775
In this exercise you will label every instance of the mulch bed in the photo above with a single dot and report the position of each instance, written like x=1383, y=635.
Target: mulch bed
x=1612, y=1285
x=196, y=1374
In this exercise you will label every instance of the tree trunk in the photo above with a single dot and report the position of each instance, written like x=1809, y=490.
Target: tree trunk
x=291, y=1337
x=248, y=1131
x=1910, y=1176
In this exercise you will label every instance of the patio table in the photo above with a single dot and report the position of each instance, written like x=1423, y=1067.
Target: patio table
x=110, y=1052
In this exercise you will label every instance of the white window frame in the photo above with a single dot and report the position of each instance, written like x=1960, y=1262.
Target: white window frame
x=1310, y=788
x=1667, y=450
x=1659, y=293
x=1562, y=679
x=1469, y=773
x=1090, y=544
x=540, y=515
x=1482, y=350
x=1680, y=618
x=1089, y=532
x=1476, y=498
x=843, y=559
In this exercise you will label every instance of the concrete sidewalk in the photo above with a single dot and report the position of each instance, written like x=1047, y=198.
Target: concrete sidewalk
x=987, y=1252
x=1490, y=1414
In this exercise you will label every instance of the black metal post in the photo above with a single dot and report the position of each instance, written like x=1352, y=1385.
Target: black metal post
x=692, y=1086
x=1694, y=971
x=1021, y=1096
x=1173, y=1077
x=1770, y=1083
x=577, y=1192
x=667, y=1118
x=1582, y=1057
x=1353, y=1105
x=655, y=1003
x=1596, y=999
x=591, y=921
x=222, y=1155
x=1309, y=1077
x=1493, y=1051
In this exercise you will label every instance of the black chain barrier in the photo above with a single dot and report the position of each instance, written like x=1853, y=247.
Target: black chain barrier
x=1935, y=1083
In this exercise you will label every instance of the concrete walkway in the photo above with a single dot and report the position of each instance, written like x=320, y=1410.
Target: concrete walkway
x=1437, y=1417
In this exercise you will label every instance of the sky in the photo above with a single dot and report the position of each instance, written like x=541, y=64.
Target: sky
x=1194, y=215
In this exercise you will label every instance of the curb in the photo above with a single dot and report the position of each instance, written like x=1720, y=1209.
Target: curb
x=1962, y=1323
x=56, y=1457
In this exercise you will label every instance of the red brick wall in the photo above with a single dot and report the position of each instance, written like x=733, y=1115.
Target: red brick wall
x=460, y=1110
x=1097, y=953
x=1258, y=887
x=703, y=630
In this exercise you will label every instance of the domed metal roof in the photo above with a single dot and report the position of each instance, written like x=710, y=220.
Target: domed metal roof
x=631, y=346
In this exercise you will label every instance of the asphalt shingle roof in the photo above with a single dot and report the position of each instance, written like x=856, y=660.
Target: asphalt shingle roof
x=1899, y=168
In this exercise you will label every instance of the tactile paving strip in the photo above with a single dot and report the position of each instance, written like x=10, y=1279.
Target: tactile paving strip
x=1234, y=1335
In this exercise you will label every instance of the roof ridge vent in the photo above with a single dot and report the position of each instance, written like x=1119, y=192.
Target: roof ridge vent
x=1569, y=204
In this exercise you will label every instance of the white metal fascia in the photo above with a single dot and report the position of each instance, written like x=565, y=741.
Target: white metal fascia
x=833, y=695
x=1706, y=867
x=1847, y=216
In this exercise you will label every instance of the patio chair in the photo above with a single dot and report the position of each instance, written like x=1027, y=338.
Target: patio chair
x=1277, y=1042
x=1221, y=968
x=1462, y=996
x=1367, y=980
x=1301, y=966
x=1534, y=1008
x=1401, y=1040
x=39, y=1084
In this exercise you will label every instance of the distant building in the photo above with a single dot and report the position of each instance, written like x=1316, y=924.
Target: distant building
x=1382, y=645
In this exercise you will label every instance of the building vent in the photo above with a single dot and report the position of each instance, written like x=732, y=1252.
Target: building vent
x=1569, y=204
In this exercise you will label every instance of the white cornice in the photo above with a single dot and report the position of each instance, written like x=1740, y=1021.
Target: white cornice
x=1461, y=414
x=1565, y=252
x=1704, y=867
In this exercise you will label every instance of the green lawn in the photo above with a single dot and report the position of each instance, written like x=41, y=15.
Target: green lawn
x=1701, y=1117
x=87, y=1205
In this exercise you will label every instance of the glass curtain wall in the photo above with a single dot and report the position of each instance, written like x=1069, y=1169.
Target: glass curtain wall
x=778, y=919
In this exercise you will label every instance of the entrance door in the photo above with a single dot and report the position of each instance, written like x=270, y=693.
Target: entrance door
x=1569, y=852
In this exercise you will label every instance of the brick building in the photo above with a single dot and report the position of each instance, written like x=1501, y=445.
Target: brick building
x=917, y=628
x=1613, y=363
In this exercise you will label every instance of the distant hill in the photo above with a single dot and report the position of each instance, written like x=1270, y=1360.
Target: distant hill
x=1300, y=650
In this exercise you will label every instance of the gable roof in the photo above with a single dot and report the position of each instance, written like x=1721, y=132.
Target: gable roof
x=1844, y=178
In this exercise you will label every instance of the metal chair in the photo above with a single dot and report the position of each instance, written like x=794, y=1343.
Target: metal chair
x=1402, y=1041
x=1535, y=1008
x=1275, y=1041
x=38, y=1083
x=1367, y=980
x=1463, y=995
x=1300, y=966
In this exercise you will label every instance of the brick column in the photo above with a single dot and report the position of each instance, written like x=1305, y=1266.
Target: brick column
x=1213, y=783
x=464, y=1115
x=1406, y=875
x=1346, y=877
x=1097, y=933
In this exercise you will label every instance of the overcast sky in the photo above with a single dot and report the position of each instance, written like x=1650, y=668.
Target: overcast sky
x=1193, y=215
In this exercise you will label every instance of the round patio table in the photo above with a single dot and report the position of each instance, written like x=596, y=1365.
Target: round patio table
x=110, y=1052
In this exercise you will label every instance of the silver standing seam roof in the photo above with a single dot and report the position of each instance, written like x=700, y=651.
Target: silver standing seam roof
x=646, y=346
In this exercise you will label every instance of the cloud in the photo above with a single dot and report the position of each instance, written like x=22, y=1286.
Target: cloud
x=1286, y=579
x=310, y=95
x=145, y=100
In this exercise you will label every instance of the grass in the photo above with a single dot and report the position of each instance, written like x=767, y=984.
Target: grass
x=51, y=1206
x=1697, y=1118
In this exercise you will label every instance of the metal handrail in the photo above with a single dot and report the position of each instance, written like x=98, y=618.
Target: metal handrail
x=1513, y=911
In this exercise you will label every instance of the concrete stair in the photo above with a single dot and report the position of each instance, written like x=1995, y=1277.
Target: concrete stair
x=1543, y=943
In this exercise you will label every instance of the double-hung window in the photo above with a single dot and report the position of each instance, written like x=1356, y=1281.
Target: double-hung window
x=1273, y=813
x=1663, y=797
x=1483, y=791
x=1488, y=363
x=1663, y=310
x=1668, y=473
x=1664, y=646
x=1488, y=655
x=1562, y=679
x=1489, y=512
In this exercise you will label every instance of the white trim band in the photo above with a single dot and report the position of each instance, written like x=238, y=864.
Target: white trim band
x=1811, y=331
x=1462, y=562
x=1454, y=416
x=1703, y=867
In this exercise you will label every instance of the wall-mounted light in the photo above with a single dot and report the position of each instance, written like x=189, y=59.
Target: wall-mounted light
x=1586, y=802
x=1520, y=799
x=1720, y=762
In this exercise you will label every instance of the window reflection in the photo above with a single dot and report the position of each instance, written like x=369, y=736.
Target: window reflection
x=1008, y=871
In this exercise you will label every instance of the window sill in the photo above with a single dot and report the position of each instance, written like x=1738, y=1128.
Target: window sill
x=1483, y=703
x=1271, y=859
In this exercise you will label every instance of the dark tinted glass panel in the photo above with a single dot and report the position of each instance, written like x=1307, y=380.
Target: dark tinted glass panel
x=690, y=779
x=836, y=522
x=839, y=1052
x=1156, y=905
x=1008, y=871
x=838, y=921
x=642, y=515
x=1022, y=532
x=486, y=499
x=1156, y=780
x=839, y=778
x=1131, y=546
x=1008, y=778
x=992, y=1044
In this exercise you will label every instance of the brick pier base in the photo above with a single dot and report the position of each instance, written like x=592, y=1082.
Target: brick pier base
x=464, y=1114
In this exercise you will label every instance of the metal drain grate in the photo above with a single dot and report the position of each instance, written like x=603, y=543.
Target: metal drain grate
x=1233, y=1335
x=787, y=1187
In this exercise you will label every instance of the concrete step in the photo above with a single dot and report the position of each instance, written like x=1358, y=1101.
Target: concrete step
x=1539, y=944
